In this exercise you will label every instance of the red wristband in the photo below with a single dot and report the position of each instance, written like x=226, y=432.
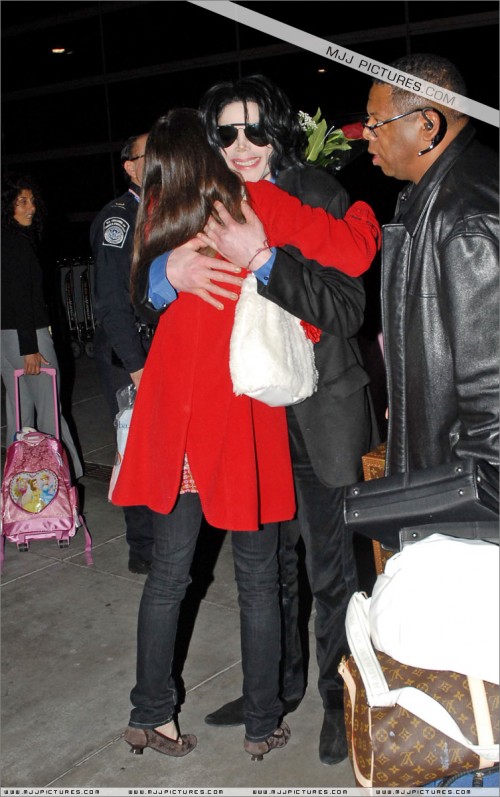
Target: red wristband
x=262, y=249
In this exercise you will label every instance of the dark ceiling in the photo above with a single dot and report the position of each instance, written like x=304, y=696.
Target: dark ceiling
x=66, y=116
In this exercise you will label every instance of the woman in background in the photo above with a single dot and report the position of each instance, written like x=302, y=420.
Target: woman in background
x=26, y=338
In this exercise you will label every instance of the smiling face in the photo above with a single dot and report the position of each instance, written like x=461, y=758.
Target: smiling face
x=243, y=157
x=24, y=207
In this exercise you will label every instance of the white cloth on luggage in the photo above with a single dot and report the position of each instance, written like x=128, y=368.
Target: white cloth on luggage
x=436, y=606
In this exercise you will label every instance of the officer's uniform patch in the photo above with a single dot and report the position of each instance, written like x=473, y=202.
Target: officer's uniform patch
x=115, y=232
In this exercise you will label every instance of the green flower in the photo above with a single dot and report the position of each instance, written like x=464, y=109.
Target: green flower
x=323, y=145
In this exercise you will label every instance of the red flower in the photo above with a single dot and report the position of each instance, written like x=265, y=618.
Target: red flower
x=354, y=130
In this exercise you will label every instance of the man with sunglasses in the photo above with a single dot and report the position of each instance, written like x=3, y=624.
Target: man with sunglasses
x=252, y=124
x=439, y=273
x=121, y=340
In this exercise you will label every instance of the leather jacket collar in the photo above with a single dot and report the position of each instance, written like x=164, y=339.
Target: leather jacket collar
x=413, y=198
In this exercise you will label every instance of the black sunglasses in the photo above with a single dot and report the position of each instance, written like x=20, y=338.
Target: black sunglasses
x=229, y=133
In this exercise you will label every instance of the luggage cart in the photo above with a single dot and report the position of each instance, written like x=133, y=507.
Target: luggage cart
x=69, y=303
x=88, y=325
x=76, y=285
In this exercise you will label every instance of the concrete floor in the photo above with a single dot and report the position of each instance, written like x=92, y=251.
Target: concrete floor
x=68, y=656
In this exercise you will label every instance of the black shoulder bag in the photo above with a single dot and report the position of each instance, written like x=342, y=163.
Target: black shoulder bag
x=464, y=490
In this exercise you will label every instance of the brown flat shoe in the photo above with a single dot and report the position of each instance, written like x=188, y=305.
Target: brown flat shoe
x=278, y=738
x=139, y=738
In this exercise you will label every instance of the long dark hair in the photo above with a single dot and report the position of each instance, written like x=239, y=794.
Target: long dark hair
x=12, y=185
x=280, y=122
x=182, y=178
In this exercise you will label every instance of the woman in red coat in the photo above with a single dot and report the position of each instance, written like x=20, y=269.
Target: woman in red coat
x=194, y=447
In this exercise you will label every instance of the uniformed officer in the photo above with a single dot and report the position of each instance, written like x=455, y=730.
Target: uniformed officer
x=121, y=339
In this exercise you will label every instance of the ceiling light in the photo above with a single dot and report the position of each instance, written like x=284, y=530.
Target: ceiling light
x=58, y=50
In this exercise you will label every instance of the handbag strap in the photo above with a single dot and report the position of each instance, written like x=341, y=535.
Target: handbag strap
x=351, y=688
x=359, y=640
x=408, y=697
x=80, y=523
x=482, y=715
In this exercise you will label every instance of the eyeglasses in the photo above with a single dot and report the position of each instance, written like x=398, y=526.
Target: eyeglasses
x=255, y=134
x=137, y=157
x=372, y=128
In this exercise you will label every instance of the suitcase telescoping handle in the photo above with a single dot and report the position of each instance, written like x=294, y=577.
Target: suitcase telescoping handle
x=49, y=372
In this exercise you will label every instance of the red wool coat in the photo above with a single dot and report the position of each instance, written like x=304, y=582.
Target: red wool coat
x=237, y=448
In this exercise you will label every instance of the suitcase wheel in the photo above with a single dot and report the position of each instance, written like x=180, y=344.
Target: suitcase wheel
x=23, y=546
x=63, y=543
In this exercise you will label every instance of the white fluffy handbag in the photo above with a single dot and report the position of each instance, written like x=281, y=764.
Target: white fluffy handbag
x=270, y=357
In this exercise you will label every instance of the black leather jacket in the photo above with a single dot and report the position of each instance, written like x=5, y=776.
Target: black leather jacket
x=440, y=311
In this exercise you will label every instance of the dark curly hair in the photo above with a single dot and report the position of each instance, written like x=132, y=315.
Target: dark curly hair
x=12, y=185
x=280, y=122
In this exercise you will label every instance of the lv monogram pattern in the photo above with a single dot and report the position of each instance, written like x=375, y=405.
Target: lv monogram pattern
x=406, y=751
x=374, y=468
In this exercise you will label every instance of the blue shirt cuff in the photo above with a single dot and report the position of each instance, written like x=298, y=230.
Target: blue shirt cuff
x=160, y=291
x=264, y=272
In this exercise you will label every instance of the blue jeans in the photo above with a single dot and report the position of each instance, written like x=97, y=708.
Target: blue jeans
x=154, y=696
x=293, y=663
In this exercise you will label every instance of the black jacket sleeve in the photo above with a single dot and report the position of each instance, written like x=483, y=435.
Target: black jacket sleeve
x=323, y=296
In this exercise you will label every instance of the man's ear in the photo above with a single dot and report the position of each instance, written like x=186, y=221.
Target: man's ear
x=129, y=168
x=434, y=128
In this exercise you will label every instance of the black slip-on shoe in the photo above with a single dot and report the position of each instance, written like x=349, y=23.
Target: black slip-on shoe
x=333, y=738
x=141, y=566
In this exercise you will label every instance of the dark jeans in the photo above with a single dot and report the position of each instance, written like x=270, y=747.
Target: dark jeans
x=293, y=676
x=112, y=377
x=139, y=531
x=331, y=570
x=154, y=696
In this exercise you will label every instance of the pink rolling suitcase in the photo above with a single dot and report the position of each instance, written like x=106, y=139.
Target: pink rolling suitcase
x=38, y=500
